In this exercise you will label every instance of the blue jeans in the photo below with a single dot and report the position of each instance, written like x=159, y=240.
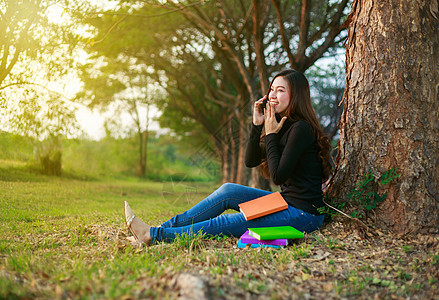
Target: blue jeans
x=207, y=217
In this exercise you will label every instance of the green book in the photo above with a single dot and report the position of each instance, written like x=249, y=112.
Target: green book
x=279, y=232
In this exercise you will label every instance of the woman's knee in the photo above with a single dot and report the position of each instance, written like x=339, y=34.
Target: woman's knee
x=227, y=187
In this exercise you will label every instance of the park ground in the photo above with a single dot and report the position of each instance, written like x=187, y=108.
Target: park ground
x=65, y=238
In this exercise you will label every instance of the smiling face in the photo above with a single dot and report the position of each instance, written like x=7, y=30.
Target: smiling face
x=279, y=95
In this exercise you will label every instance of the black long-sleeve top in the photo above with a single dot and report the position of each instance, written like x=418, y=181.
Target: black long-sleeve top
x=293, y=162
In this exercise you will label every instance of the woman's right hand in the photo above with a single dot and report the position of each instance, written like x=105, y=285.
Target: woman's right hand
x=258, y=116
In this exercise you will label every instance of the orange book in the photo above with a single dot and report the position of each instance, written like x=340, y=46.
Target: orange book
x=262, y=206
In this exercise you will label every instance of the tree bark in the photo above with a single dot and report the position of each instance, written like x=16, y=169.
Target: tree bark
x=257, y=181
x=225, y=166
x=391, y=110
x=242, y=173
x=258, y=38
x=233, y=155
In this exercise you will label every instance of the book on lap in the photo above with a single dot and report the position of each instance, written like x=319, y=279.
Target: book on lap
x=263, y=206
x=246, y=238
x=278, y=232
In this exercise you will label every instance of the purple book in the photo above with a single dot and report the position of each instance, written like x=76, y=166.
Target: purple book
x=248, y=239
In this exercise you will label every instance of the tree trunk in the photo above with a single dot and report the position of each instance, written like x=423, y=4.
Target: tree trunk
x=241, y=173
x=144, y=154
x=143, y=142
x=391, y=110
x=225, y=163
x=233, y=155
x=49, y=156
x=258, y=38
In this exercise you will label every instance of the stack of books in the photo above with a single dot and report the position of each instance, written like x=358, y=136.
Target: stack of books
x=269, y=237
x=273, y=237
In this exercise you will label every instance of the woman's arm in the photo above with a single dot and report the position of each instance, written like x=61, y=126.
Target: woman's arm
x=280, y=165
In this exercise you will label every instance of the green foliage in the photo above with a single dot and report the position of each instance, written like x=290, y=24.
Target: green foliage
x=43, y=117
x=327, y=86
x=106, y=158
x=16, y=147
x=388, y=176
x=49, y=156
x=208, y=66
x=37, y=58
x=27, y=36
x=189, y=240
x=168, y=160
x=301, y=251
x=39, y=114
x=328, y=211
x=41, y=156
x=365, y=195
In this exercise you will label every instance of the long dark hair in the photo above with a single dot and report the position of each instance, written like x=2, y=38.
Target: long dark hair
x=300, y=108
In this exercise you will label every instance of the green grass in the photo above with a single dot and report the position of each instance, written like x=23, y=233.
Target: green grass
x=66, y=238
x=68, y=234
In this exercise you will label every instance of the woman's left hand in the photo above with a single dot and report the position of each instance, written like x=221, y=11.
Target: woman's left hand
x=271, y=124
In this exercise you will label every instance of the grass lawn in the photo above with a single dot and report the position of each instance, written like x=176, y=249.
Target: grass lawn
x=66, y=238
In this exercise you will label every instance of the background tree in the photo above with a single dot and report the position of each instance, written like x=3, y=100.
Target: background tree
x=309, y=27
x=16, y=32
x=327, y=87
x=200, y=95
x=36, y=54
x=44, y=117
x=391, y=110
x=33, y=45
x=214, y=57
x=128, y=89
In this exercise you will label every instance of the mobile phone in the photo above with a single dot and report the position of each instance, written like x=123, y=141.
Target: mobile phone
x=264, y=104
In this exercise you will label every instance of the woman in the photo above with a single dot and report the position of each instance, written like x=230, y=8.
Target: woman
x=293, y=152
